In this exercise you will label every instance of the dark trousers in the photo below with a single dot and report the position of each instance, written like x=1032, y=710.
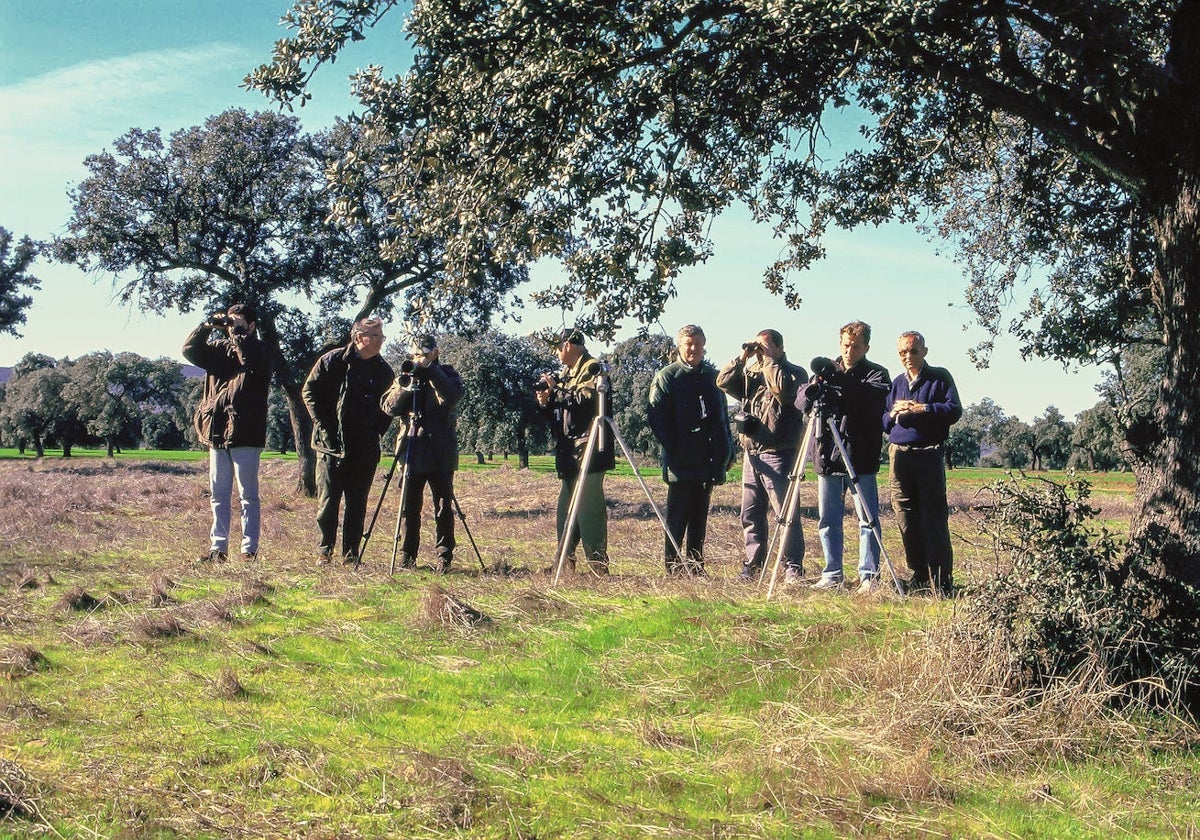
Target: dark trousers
x=687, y=522
x=918, y=483
x=349, y=478
x=441, y=490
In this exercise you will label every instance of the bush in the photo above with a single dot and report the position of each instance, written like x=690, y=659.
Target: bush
x=1069, y=599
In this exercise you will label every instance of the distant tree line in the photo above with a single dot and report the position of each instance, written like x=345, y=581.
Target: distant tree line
x=122, y=401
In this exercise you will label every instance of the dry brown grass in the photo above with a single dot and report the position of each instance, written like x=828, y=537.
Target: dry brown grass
x=21, y=661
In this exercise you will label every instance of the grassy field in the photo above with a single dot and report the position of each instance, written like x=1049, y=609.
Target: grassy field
x=147, y=695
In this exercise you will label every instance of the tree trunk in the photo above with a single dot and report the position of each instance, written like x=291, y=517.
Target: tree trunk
x=522, y=453
x=306, y=461
x=479, y=457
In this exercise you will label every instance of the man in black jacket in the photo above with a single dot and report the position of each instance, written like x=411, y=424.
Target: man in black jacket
x=342, y=395
x=851, y=391
x=689, y=419
x=231, y=419
x=425, y=396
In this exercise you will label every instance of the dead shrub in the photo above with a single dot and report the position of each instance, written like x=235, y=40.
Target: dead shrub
x=27, y=579
x=227, y=686
x=442, y=608
x=18, y=794
x=21, y=661
x=78, y=600
x=536, y=603
x=90, y=631
x=159, y=626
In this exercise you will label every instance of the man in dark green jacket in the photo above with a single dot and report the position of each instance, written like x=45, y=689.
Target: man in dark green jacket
x=342, y=395
x=689, y=418
x=231, y=419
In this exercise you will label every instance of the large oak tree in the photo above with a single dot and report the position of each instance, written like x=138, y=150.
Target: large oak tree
x=1049, y=140
x=238, y=210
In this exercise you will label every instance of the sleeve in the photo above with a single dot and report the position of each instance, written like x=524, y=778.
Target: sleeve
x=251, y=353
x=321, y=407
x=946, y=405
x=889, y=422
x=196, y=348
x=731, y=379
x=659, y=413
x=447, y=385
x=783, y=381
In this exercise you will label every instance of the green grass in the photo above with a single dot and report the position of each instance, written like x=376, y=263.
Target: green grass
x=338, y=704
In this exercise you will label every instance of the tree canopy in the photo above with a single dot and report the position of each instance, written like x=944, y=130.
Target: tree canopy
x=14, y=278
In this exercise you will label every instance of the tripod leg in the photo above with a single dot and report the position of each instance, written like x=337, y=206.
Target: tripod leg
x=860, y=507
x=399, y=518
x=576, y=497
x=387, y=480
x=645, y=488
x=467, y=529
x=788, y=512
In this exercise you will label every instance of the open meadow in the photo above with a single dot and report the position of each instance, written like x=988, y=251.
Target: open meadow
x=147, y=695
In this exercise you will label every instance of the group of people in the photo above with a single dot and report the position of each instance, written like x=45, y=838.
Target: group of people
x=352, y=395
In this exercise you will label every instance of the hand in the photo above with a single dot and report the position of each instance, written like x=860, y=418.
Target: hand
x=751, y=348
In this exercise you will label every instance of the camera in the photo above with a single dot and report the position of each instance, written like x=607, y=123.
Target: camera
x=408, y=367
x=746, y=423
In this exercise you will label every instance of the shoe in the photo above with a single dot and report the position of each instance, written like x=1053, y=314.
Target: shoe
x=867, y=586
x=598, y=567
x=443, y=565
x=324, y=556
x=249, y=556
x=350, y=558
x=831, y=582
x=748, y=574
x=408, y=562
x=214, y=556
x=918, y=586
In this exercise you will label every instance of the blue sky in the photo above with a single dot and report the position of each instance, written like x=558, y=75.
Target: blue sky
x=77, y=74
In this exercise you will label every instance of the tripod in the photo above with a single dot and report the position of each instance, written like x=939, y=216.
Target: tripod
x=597, y=443
x=387, y=480
x=822, y=413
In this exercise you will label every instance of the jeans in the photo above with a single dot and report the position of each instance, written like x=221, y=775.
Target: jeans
x=224, y=466
x=918, y=485
x=764, y=484
x=831, y=511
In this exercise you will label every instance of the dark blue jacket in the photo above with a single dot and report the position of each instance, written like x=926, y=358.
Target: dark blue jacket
x=933, y=386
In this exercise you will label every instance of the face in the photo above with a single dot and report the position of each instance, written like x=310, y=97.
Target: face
x=568, y=353
x=769, y=348
x=853, y=349
x=691, y=349
x=368, y=341
x=423, y=359
x=912, y=353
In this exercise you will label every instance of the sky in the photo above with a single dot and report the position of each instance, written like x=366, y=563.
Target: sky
x=77, y=74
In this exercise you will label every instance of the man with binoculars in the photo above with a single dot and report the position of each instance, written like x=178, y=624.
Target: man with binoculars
x=231, y=419
x=768, y=425
x=425, y=396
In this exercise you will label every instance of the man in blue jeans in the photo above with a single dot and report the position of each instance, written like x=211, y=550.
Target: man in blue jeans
x=231, y=420
x=852, y=392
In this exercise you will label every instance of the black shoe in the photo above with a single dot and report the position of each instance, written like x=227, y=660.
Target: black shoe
x=407, y=562
x=213, y=556
x=350, y=558
x=748, y=574
x=249, y=556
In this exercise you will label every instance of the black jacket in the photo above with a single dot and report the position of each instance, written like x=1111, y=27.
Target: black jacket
x=689, y=418
x=854, y=399
x=342, y=395
x=427, y=402
x=233, y=408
